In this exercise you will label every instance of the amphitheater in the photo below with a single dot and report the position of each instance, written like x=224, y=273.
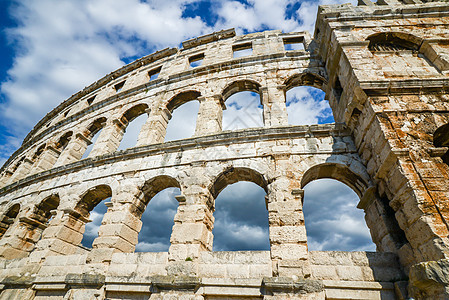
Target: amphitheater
x=384, y=69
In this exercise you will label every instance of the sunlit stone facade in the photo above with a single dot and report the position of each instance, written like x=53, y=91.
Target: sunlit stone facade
x=384, y=68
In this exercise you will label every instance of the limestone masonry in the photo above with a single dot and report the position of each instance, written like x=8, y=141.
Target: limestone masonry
x=385, y=70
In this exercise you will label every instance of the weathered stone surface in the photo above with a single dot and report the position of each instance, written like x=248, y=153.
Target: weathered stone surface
x=384, y=68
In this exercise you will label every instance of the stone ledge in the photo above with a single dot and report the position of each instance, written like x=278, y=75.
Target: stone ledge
x=224, y=138
x=358, y=285
x=175, y=282
x=288, y=285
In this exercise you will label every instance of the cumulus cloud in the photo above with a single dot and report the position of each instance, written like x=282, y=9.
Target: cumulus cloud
x=183, y=122
x=243, y=110
x=63, y=46
x=306, y=105
x=332, y=220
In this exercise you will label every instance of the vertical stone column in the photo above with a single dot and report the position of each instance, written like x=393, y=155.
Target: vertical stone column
x=22, y=171
x=121, y=224
x=109, y=139
x=21, y=238
x=74, y=150
x=46, y=160
x=62, y=236
x=210, y=115
x=5, y=178
x=192, y=232
x=274, y=106
x=288, y=238
x=154, y=130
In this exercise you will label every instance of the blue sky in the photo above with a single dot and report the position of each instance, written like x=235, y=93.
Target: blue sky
x=52, y=49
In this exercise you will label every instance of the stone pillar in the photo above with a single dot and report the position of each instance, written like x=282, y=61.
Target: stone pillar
x=22, y=171
x=274, y=105
x=62, y=236
x=109, y=139
x=74, y=150
x=21, y=238
x=210, y=115
x=155, y=128
x=121, y=225
x=46, y=160
x=192, y=232
x=4, y=180
x=288, y=238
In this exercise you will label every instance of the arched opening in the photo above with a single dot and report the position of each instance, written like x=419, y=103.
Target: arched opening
x=43, y=211
x=38, y=152
x=9, y=218
x=336, y=190
x=63, y=141
x=305, y=100
x=132, y=120
x=92, y=206
x=244, y=108
x=17, y=164
x=332, y=219
x=441, y=139
x=184, y=109
x=241, y=216
x=40, y=218
x=393, y=41
x=159, y=207
x=92, y=132
x=399, y=55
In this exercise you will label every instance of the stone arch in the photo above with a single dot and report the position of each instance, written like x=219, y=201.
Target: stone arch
x=94, y=127
x=182, y=98
x=38, y=152
x=189, y=112
x=305, y=79
x=43, y=211
x=244, y=110
x=153, y=186
x=241, y=86
x=63, y=141
x=252, y=200
x=399, y=54
x=90, y=133
x=235, y=174
x=147, y=211
x=130, y=114
x=91, y=198
x=394, y=40
x=125, y=120
x=338, y=172
x=30, y=228
x=9, y=218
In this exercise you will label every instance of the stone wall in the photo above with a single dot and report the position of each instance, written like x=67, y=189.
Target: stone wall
x=384, y=68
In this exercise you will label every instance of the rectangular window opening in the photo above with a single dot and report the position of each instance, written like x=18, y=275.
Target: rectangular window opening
x=154, y=73
x=91, y=99
x=118, y=87
x=294, y=43
x=196, y=61
x=242, y=50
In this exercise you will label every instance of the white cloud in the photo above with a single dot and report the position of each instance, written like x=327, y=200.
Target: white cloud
x=183, y=122
x=257, y=15
x=305, y=105
x=65, y=45
x=243, y=110
x=151, y=247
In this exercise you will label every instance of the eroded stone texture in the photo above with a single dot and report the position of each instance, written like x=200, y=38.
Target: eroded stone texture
x=384, y=68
